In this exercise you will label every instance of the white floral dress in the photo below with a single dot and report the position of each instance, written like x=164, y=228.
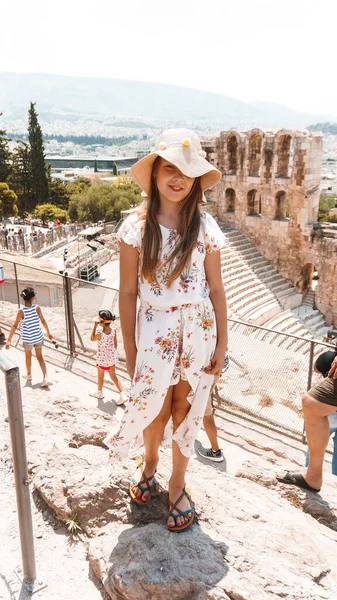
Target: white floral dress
x=176, y=340
x=106, y=352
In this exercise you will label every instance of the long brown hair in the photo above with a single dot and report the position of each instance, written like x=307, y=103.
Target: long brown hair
x=188, y=230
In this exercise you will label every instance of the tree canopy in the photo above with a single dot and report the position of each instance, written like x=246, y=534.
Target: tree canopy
x=8, y=198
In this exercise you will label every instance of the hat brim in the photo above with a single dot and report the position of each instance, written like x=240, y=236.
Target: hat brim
x=187, y=161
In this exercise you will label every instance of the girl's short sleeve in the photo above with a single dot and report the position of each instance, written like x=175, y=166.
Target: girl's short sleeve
x=214, y=237
x=130, y=232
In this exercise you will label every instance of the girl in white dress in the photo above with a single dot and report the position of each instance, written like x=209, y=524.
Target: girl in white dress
x=170, y=259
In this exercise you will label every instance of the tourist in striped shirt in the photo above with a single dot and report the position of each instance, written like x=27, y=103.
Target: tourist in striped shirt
x=30, y=319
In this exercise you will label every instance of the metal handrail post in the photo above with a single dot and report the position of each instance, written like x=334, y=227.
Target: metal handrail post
x=17, y=431
x=17, y=284
x=70, y=318
x=311, y=364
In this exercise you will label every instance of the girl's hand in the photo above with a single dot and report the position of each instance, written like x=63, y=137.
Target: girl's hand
x=131, y=355
x=7, y=345
x=333, y=369
x=50, y=337
x=217, y=363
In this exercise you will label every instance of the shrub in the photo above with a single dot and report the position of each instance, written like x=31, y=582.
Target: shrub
x=50, y=212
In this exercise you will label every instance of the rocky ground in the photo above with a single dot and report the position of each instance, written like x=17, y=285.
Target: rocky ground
x=253, y=539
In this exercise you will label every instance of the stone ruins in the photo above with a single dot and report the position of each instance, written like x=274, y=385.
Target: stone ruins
x=270, y=191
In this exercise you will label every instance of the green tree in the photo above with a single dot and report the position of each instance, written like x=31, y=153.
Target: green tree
x=4, y=155
x=102, y=201
x=114, y=169
x=38, y=169
x=8, y=198
x=20, y=180
x=59, y=193
x=50, y=212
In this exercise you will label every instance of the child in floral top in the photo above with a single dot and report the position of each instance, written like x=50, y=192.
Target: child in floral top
x=170, y=258
x=106, y=354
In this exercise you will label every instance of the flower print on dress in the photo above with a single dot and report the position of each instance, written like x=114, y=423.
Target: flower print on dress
x=148, y=315
x=205, y=319
x=187, y=357
x=200, y=247
x=156, y=289
x=168, y=345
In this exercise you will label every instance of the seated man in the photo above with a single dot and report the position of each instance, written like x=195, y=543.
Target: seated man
x=317, y=404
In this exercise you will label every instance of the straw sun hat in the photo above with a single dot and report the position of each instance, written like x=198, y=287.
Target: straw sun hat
x=182, y=148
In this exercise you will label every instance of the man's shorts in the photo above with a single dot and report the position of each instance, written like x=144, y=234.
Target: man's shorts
x=31, y=346
x=325, y=391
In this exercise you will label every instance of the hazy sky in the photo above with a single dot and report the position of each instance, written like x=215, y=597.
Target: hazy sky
x=280, y=51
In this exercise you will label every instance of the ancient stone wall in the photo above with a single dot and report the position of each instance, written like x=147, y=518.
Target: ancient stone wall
x=270, y=191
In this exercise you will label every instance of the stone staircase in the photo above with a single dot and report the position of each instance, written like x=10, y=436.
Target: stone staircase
x=258, y=294
x=309, y=298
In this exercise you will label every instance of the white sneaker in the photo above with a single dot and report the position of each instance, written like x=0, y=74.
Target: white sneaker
x=123, y=397
x=97, y=394
x=27, y=377
x=45, y=383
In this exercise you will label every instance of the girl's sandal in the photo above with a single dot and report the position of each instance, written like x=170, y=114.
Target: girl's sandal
x=147, y=488
x=174, y=507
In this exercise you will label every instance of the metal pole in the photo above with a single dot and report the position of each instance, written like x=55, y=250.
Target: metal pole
x=311, y=362
x=17, y=285
x=65, y=309
x=16, y=424
x=69, y=309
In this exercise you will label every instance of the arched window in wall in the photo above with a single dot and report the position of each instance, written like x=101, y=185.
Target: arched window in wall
x=284, y=156
x=232, y=155
x=230, y=200
x=281, y=205
x=253, y=203
x=254, y=154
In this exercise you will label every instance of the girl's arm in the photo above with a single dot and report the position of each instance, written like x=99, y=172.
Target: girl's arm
x=13, y=329
x=115, y=339
x=218, y=299
x=128, y=290
x=95, y=336
x=44, y=322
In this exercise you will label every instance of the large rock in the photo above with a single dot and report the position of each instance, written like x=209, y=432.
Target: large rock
x=322, y=506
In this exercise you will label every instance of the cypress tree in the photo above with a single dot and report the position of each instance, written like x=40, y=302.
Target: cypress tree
x=38, y=170
x=4, y=156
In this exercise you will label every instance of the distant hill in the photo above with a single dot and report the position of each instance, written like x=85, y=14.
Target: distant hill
x=73, y=98
x=324, y=128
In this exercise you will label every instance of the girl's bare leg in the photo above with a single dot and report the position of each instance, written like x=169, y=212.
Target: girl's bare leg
x=38, y=353
x=211, y=430
x=153, y=435
x=100, y=379
x=180, y=408
x=115, y=379
x=28, y=358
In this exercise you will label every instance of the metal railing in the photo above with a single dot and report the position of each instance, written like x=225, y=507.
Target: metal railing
x=269, y=369
x=17, y=432
x=37, y=240
x=269, y=372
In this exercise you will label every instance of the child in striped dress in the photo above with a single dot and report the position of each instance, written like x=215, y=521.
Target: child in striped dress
x=106, y=354
x=30, y=318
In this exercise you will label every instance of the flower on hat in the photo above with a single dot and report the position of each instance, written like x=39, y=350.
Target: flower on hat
x=186, y=143
x=202, y=153
x=162, y=146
